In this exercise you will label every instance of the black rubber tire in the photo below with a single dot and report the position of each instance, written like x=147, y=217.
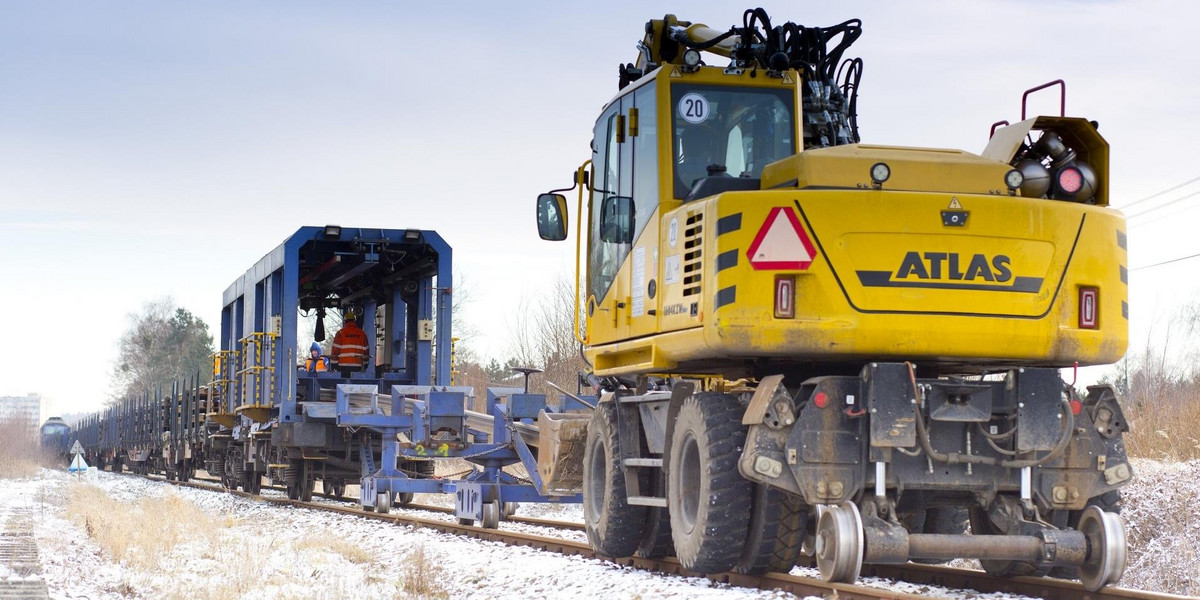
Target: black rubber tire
x=614, y=528
x=708, y=498
x=656, y=533
x=776, y=533
x=980, y=524
x=951, y=520
x=656, y=539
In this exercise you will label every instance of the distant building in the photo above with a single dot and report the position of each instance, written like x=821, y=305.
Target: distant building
x=27, y=409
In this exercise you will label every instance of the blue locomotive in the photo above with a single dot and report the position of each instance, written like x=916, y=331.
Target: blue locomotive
x=55, y=437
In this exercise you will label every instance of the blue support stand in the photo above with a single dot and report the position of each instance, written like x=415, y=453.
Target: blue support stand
x=433, y=423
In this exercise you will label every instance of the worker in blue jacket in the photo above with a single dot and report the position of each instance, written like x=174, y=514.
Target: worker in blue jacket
x=315, y=361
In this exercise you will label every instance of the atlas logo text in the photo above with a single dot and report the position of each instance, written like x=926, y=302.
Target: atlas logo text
x=949, y=266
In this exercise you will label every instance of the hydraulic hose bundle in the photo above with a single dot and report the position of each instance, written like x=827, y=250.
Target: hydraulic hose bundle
x=830, y=86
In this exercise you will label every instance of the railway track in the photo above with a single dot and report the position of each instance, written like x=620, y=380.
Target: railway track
x=800, y=586
x=412, y=506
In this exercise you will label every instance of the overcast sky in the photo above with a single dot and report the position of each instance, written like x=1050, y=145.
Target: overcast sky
x=160, y=148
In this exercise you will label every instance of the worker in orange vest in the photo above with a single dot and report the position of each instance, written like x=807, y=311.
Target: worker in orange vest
x=315, y=361
x=349, y=345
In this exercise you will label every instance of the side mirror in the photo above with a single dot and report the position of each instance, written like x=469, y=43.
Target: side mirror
x=552, y=217
x=616, y=220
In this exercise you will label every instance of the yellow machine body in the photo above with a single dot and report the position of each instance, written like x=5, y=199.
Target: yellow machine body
x=941, y=263
x=872, y=332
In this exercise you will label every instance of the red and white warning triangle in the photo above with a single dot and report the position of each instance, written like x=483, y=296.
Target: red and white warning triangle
x=781, y=243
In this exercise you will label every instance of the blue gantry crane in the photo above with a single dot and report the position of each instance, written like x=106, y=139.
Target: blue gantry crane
x=381, y=424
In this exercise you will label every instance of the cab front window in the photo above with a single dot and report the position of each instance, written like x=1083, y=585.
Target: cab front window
x=729, y=132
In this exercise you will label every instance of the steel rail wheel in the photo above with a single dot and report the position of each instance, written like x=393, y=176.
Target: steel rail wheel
x=491, y=515
x=383, y=503
x=1106, y=558
x=839, y=543
x=510, y=509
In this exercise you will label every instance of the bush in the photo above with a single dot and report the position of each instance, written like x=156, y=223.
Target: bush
x=20, y=452
x=1160, y=391
x=423, y=577
x=139, y=534
x=1162, y=421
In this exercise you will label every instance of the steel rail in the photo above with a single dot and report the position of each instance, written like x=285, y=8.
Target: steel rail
x=411, y=506
x=958, y=579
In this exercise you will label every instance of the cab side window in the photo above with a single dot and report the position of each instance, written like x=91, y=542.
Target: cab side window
x=628, y=168
x=603, y=264
x=645, y=159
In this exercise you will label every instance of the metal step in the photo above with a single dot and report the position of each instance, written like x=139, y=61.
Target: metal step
x=646, y=501
x=643, y=462
x=648, y=397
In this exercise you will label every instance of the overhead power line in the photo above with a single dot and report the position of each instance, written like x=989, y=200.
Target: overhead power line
x=1160, y=206
x=1140, y=223
x=1157, y=194
x=1166, y=262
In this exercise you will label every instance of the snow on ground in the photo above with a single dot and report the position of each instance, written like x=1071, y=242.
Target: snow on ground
x=1163, y=532
x=70, y=563
x=275, y=551
x=262, y=550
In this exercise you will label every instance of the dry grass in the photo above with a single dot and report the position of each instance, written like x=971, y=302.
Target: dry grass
x=20, y=452
x=1162, y=421
x=140, y=534
x=328, y=541
x=1160, y=388
x=423, y=577
x=236, y=559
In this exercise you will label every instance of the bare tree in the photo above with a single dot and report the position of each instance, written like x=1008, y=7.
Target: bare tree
x=306, y=330
x=163, y=343
x=543, y=337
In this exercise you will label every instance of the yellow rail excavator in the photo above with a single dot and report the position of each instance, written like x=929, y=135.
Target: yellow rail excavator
x=805, y=344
